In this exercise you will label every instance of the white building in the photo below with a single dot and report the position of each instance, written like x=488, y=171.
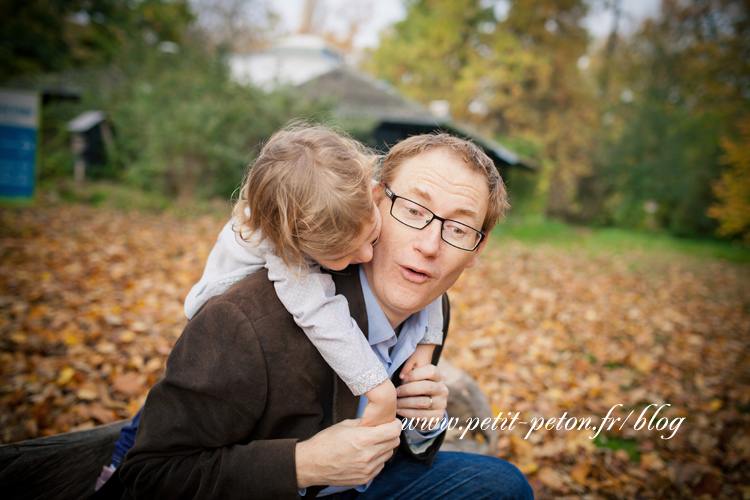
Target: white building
x=293, y=61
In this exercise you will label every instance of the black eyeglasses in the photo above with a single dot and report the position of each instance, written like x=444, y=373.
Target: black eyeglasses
x=454, y=233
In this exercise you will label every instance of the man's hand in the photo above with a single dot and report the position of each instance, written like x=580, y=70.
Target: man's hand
x=345, y=454
x=423, y=394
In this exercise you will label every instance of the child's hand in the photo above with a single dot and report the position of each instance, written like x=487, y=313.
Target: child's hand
x=381, y=409
x=422, y=356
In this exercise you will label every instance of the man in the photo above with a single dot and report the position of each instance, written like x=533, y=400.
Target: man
x=248, y=408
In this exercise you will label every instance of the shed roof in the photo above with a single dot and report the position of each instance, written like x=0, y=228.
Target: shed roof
x=312, y=66
x=86, y=121
x=359, y=94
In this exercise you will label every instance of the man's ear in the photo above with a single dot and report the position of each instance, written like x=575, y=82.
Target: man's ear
x=473, y=260
x=378, y=192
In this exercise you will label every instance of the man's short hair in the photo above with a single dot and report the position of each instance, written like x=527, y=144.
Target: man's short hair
x=462, y=149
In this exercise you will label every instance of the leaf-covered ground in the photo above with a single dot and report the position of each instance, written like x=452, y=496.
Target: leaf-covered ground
x=91, y=303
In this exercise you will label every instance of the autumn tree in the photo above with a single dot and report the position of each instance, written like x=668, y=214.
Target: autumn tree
x=54, y=35
x=236, y=25
x=679, y=82
x=515, y=78
x=732, y=190
x=554, y=105
x=429, y=54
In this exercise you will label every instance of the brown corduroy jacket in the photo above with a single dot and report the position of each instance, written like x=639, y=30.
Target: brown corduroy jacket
x=243, y=385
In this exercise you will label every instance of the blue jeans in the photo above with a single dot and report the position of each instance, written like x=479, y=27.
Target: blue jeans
x=452, y=476
x=126, y=440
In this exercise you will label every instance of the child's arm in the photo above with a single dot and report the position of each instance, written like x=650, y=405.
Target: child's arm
x=325, y=319
x=230, y=260
x=433, y=336
x=422, y=356
x=381, y=407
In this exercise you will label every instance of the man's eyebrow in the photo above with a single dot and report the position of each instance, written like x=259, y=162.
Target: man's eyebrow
x=424, y=194
x=468, y=212
x=461, y=211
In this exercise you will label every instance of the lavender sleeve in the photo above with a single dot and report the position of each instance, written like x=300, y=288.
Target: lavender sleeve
x=325, y=319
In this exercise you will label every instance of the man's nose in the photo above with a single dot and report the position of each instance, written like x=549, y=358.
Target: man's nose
x=427, y=241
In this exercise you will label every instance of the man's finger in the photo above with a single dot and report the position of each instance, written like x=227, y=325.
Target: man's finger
x=375, y=473
x=387, y=454
x=385, y=446
x=419, y=403
x=427, y=372
x=385, y=432
x=388, y=449
x=421, y=388
x=392, y=444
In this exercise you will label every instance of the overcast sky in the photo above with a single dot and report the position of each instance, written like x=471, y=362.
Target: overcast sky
x=382, y=13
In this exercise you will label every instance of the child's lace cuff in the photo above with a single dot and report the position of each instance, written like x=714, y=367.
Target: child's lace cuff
x=368, y=381
x=432, y=337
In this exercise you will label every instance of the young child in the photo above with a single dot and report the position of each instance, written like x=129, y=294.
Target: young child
x=307, y=203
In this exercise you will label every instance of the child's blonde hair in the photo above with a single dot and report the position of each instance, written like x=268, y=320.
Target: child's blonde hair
x=309, y=192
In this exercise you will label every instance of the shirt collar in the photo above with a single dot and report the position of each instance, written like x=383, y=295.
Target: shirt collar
x=379, y=328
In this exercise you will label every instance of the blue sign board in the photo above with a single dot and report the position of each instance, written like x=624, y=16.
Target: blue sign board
x=19, y=123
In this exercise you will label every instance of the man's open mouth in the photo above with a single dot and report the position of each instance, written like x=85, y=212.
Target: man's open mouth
x=414, y=275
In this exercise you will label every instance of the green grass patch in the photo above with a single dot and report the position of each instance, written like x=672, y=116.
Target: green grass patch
x=536, y=229
x=617, y=443
x=15, y=201
x=539, y=230
x=125, y=199
x=612, y=366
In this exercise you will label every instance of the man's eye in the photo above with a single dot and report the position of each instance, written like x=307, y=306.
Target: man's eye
x=457, y=231
x=414, y=212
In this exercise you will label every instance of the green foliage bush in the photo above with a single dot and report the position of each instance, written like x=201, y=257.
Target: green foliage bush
x=668, y=156
x=181, y=127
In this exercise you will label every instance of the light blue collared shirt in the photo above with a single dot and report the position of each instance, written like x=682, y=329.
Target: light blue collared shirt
x=382, y=337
